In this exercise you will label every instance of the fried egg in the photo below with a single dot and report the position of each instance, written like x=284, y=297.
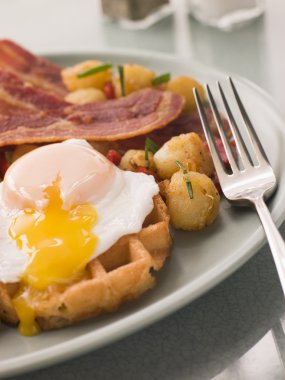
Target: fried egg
x=62, y=205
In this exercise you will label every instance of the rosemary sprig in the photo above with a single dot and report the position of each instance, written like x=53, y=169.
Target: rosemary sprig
x=187, y=180
x=163, y=78
x=122, y=79
x=95, y=70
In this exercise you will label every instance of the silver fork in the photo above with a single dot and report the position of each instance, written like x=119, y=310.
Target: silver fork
x=249, y=180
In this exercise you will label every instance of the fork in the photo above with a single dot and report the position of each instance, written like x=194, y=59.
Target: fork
x=250, y=178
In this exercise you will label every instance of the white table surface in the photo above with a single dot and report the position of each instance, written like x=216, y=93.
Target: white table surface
x=225, y=343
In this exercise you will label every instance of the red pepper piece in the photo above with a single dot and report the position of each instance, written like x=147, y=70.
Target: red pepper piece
x=114, y=156
x=109, y=90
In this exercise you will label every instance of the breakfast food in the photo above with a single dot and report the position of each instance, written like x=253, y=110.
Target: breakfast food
x=183, y=86
x=191, y=213
x=136, y=78
x=187, y=148
x=31, y=69
x=135, y=158
x=87, y=228
x=85, y=95
x=62, y=234
x=72, y=82
x=31, y=115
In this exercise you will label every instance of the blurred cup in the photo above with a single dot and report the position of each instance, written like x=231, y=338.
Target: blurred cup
x=226, y=14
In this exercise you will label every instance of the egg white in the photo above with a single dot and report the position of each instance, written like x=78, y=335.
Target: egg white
x=121, y=211
x=124, y=208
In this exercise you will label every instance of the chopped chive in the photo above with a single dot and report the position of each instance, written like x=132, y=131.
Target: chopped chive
x=151, y=145
x=122, y=80
x=189, y=189
x=178, y=163
x=188, y=182
x=95, y=70
x=146, y=156
x=163, y=78
x=146, y=152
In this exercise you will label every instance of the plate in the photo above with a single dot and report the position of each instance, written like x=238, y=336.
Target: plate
x=199, y=260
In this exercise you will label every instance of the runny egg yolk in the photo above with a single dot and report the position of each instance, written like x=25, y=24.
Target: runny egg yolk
x=60, y=243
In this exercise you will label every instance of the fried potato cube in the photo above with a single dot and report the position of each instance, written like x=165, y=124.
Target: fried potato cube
x=184, y=86
x=187, y=148
x=85, y=95
x=198, y=212
x=135, y=158
x=72, y=82
x=136, y=77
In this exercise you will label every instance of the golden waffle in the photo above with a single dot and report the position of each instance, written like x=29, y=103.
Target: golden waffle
x=121, y=274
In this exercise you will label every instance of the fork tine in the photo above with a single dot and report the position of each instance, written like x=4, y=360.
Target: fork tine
x=222, y=132
x=244, y=155
x=255, y=142
x=210, y=138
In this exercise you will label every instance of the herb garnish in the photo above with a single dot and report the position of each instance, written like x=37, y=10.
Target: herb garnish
x=186, y=178
x=95, y=70
x=163, y=78
x=150, y=146
x=122, y=80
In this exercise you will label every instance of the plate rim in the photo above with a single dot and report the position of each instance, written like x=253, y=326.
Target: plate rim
x=140, y=319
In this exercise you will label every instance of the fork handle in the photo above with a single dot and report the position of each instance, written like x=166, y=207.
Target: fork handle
x=274, y=238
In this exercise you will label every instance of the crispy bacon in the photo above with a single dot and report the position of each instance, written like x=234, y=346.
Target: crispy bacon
x=137, y=114
x=32, y=115
x=32, y=108
x=185, y=123
x=37, y=71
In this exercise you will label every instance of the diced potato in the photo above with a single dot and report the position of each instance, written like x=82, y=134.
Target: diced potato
x=198, y=212
x=72, y=82
x=136, y=77
x=21, y=150
x=184, y=86
x=187, y=148
x=85, y=95
x=133, y=159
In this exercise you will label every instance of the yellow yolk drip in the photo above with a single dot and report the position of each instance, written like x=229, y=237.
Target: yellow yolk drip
x=60, y=243
x=26, y=314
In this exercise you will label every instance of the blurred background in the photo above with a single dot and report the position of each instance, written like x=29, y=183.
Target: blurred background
x=73, y=25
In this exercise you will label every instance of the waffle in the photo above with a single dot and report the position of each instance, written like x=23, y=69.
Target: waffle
x=121, y=274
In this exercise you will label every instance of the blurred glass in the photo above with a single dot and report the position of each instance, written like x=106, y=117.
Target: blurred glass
x=226, y=14
x=136, y=14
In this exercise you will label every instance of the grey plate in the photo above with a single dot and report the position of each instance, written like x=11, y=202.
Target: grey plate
x=199, y=260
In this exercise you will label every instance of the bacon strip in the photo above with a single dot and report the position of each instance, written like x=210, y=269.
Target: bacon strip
x=185, y=123
x=31, y=115
x=37, y=71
